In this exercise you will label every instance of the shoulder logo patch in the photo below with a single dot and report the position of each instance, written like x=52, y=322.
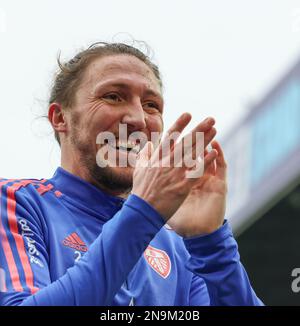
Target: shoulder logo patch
x=158, y=260
x=73, y=241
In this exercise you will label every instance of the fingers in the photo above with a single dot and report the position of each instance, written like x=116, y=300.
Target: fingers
x=206, y=166
x=173, y=134
x=191, y=146
x=196, y=148
x=180, y=123
x=221, y=166
x=210, y=162
x=209, y=136
x=206, y=126
x=192, y=142
x=145, y=155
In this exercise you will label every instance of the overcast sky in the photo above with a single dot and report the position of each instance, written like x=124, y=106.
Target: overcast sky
x=216, y=57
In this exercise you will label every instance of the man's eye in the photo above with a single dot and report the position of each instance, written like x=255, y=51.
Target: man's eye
x=112, y=97
x=152, y=105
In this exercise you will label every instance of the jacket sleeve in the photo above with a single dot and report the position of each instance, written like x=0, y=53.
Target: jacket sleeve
x=94, y=279
x=198, y=292
x=215, y=259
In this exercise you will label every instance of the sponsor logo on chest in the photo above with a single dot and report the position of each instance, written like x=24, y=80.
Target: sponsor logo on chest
x=74, y=241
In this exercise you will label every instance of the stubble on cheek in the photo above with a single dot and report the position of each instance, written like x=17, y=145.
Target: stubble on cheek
x=115, y=179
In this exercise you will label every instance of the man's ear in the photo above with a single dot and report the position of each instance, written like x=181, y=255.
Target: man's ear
x=57, y=117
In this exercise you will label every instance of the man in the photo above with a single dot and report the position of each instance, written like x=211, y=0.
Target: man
x=97, y=235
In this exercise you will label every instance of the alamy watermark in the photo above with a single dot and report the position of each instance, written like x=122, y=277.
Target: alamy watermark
x=2, y=280
x=296, y=280
x=186, y=153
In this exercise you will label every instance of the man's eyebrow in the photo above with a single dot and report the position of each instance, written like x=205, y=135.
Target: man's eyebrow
x=148, y=92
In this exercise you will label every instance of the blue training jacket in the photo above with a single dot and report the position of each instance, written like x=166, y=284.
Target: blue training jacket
x=65, y=242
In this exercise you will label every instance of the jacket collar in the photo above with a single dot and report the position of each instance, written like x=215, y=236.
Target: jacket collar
x=83, y=192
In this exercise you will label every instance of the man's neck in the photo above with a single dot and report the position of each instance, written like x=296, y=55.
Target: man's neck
x=71, y=163
x=83, y=173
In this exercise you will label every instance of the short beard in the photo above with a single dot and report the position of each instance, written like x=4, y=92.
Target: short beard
x=104, y=178
x=108, y=179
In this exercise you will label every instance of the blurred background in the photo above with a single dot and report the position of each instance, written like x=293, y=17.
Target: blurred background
x=238, y=61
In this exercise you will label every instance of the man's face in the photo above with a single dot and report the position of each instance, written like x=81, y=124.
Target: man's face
x=115, y=90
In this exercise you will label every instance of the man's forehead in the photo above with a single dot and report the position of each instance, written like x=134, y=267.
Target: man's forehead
x=117, y=66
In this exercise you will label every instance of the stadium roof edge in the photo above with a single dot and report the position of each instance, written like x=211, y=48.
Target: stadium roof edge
x=294, y=68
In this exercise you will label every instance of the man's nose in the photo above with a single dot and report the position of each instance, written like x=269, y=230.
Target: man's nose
x=134, y=117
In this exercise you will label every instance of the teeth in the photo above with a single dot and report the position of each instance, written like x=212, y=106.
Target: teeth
x=128, y=145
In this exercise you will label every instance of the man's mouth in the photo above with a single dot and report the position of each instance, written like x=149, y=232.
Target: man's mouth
x=126, y=146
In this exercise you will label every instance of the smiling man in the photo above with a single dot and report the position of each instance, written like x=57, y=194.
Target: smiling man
x=97, y=234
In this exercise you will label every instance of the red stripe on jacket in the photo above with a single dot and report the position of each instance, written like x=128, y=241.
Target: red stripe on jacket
x=13, y=227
